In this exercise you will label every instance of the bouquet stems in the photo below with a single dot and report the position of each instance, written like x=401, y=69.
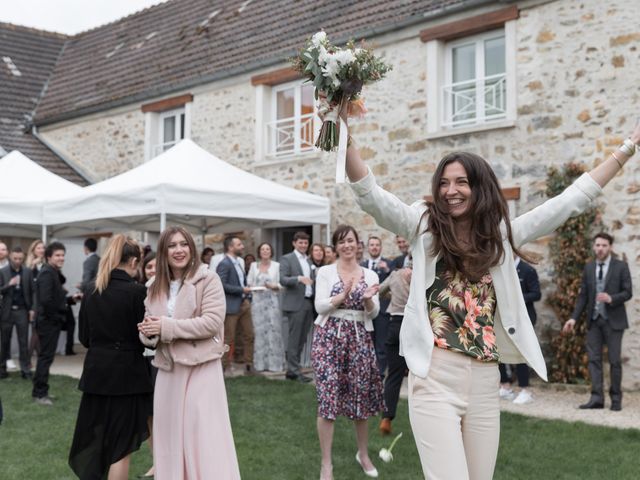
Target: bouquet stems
x=328, y=139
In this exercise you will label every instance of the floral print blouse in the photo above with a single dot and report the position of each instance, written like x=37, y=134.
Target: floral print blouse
x=461, y=314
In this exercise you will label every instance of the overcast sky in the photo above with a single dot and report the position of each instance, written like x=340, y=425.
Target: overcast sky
x=68, y=16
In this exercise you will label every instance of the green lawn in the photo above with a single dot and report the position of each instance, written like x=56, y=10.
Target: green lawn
x=274, y=429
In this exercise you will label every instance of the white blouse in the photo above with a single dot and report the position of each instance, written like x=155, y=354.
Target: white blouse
x=174, y=288
x=254, y=270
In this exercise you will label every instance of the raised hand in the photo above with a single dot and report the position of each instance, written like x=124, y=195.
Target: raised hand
x=635, y=136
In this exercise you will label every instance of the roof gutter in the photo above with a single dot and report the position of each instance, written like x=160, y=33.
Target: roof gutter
x=266, y=62
x=46, y=143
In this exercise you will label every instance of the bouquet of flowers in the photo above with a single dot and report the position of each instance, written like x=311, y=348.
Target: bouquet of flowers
x=338, y=75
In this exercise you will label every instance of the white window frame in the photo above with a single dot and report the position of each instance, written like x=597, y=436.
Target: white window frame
x=154, y=129
x=439, y=68
x=266, y=119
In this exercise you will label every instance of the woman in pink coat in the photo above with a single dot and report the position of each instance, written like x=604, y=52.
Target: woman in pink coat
x=185, y=319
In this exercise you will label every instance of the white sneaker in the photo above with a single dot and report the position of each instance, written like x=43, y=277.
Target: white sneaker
x=506, y=393
x=523, y=397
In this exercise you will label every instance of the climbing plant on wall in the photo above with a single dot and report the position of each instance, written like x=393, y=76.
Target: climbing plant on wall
x=570, y=250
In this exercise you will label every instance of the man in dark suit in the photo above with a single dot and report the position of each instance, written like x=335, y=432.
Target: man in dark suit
x=383, y=267
x=16, y=309
x=237, y=294
x=402, y=260
x=530, y=286
x=51, y=299
x=296, y=275
x=606, y=285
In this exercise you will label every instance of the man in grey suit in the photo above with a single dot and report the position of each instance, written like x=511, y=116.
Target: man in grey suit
x=16, y=309
x=296, y=275
x=237, y=294
x=606, y=285
x=90, y=265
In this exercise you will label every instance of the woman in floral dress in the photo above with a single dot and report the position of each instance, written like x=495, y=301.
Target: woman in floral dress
x=343, y=356
x=268, y=350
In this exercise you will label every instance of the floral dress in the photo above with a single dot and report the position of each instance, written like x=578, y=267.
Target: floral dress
x=461, y=314
x=268, y=350
x=348, y=382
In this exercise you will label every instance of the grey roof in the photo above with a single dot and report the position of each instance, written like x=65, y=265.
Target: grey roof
x=27, y=57
x=182, y=43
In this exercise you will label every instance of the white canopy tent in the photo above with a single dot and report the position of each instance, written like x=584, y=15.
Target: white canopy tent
x=25, y=189
x=186, y=186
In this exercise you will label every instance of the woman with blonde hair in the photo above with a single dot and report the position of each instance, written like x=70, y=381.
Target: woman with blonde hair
x=185, y=321
x=35, y=261
x=35, y=256
x=117, y=392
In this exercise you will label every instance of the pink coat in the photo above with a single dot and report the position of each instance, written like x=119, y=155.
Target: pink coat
x=195, y=333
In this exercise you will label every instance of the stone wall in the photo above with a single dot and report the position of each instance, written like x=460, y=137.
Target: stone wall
x=577, y=97
x=101, y=146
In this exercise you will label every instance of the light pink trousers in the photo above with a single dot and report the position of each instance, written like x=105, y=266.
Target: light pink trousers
x=455, y=417
x=192, y=437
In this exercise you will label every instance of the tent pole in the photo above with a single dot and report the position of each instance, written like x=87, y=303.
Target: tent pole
x=44, y=234
x=163, y=221
x=329, y=232
x=204, y=232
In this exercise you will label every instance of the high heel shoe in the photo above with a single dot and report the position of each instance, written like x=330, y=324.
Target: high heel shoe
x=373, y=473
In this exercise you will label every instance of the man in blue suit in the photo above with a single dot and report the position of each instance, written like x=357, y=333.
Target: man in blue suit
x=236, y=292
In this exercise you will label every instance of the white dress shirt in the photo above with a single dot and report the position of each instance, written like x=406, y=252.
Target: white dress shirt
x=239, y=264
x=306, y=272
x=605, y=267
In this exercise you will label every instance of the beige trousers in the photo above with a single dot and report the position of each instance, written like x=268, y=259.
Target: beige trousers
x=455, y=417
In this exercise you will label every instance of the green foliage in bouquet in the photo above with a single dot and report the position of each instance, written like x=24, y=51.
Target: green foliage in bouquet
x=570, y=249
x=340, y=74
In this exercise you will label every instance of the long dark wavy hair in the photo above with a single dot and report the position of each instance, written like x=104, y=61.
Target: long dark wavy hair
x=487, y=210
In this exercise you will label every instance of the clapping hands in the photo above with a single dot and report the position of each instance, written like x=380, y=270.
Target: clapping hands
x=371, y=291
x=150, y=326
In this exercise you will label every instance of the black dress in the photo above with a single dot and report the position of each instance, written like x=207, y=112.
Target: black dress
x=117, y=394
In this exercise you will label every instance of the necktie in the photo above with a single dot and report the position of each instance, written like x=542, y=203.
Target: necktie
x=373, y=264
x=600, y=265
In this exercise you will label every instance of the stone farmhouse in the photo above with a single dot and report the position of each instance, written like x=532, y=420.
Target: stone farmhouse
x=527, y=84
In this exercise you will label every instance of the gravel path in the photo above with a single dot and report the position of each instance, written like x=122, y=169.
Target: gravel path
x=560, y=402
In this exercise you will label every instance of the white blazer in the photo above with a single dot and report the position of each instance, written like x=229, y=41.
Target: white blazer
x=515, y=337
x=326, y=278
x=274, y=273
